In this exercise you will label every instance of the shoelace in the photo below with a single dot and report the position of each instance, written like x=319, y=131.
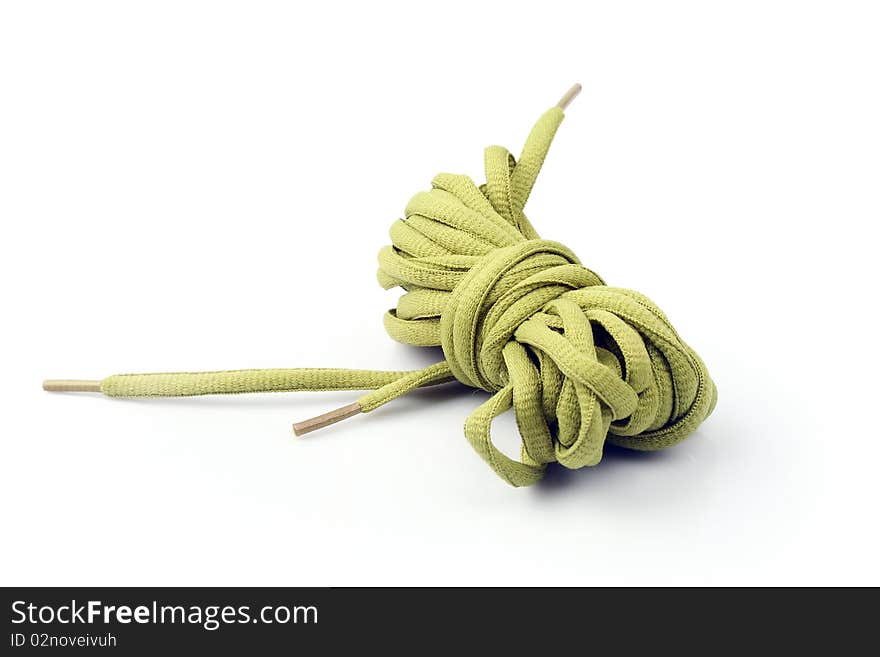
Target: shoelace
x=581, y=363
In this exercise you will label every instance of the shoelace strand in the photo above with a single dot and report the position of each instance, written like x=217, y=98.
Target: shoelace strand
x=516, y=315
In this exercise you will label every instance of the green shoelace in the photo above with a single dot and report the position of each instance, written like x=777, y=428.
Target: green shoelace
x=581, y=363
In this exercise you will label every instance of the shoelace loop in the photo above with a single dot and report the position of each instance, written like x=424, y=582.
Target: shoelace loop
x=519, y=316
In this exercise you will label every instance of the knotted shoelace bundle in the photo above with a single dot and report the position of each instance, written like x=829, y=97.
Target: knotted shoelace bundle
x=581, y=363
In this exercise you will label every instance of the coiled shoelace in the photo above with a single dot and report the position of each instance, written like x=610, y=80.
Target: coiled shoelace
x=516, y=315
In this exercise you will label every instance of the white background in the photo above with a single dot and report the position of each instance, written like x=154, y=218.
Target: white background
x=190, y=186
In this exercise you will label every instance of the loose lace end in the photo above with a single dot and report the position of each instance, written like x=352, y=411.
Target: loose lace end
x=569, y=96
x=71, y=385
x=332, y=417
